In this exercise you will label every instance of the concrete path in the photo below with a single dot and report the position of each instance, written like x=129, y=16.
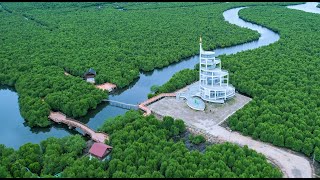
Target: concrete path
x=293, y=166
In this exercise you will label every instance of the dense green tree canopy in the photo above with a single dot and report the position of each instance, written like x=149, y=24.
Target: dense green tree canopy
x=197, y=139
x=142, y=147
x=49, y=158
x=39, y=41
x=177, y=81
x=282, y=78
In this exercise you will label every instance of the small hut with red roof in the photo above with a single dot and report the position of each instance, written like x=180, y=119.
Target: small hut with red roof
x=100, y=150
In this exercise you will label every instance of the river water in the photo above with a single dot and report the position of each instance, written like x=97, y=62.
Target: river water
x=15, y=133
x=307, y=7
x=139, y=90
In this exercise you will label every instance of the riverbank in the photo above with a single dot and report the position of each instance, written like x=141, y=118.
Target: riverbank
x=14, y=131
x=290, y=171
x=137, y=91
x=311, y=7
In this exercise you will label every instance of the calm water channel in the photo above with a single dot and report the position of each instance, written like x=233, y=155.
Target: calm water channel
x=15, y=133
x=307, y=7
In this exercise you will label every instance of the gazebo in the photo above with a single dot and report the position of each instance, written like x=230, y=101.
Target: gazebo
x=100, y=150
x=90, y=75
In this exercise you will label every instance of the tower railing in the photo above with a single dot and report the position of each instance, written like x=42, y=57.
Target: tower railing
x=213, y=79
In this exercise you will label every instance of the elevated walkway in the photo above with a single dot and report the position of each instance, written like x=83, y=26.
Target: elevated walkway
x=121, y=104
x=143, y=105
x=59, y=117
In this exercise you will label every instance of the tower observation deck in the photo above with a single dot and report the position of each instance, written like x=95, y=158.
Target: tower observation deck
x=213, y=85
x=213, y=81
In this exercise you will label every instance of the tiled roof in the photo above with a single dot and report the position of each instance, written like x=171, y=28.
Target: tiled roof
x=99, y=149
x=90, y=71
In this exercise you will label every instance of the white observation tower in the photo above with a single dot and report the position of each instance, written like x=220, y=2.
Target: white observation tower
x=213, y=85
x=214, y=82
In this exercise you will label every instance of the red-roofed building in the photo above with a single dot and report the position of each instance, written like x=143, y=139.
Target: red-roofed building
x=100, y=150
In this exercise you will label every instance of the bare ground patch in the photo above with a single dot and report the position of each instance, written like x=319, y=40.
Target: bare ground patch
x=213, y=114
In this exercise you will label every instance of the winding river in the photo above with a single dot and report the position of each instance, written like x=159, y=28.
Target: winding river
x=138, y=92
x=15, y=133
x=307, y=7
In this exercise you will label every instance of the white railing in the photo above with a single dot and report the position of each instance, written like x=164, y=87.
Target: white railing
x=122, y=104
x=210, y=60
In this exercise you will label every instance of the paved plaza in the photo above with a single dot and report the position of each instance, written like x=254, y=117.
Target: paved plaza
x=212, y=115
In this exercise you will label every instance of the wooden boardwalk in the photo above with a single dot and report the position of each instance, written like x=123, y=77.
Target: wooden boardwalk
x=59, y=117
x=143, y=105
